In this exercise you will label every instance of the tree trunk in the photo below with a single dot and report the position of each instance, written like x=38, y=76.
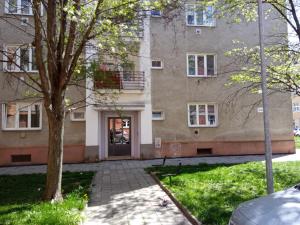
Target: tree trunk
x=55, y=154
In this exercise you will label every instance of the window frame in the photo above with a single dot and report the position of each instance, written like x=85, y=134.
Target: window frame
x=205, y=64
x=216, y=114
x=158, y=111
x=18, y=59
x=19, y=9
x=17, y=119
x=154, y=15
x=213, y=24
x=157, y=68
x=77, y=120
x=296, y=107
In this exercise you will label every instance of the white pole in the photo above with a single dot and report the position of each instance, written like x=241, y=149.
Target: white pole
x=268, y=146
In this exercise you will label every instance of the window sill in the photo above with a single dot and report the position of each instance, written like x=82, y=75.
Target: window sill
x=21, y=129
x=158, y=119
x=156, y=68
x=209, y=26
x=204, y=126
x=202, y=76
x=78, y=120
x=18, y=14
x=20, y=71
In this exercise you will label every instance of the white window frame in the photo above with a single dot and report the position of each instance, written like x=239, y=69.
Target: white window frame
x=76, y=119
x=296, y=107
x=157, y=68
x=213, y=24
x=18, y=59
x=162, y=115
x=17, y=128
x=205, y=64
x=19, y=9
x=216, y=112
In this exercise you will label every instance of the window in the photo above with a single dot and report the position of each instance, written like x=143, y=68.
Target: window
x=199, y=15
x=21, y=116
x=157, y=64
x=201, y=65
x=202, y=115
x=296, y=107
x=155, y=13
x=78, y=115
x=19, y=58
x=158, y=115
x=18, y=7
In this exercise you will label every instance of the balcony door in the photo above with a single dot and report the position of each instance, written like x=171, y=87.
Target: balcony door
x=119, y=136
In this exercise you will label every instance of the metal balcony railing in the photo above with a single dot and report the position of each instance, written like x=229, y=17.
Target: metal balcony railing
x=122, y=80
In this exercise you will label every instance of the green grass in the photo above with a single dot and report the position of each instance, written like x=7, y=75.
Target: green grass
x=20, y=200
x=297, y=142
x=212, y=192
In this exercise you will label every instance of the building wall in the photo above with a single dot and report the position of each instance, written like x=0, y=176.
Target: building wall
x=35, y=142
x=239, y=130
x=32, y=142
x=172, y=90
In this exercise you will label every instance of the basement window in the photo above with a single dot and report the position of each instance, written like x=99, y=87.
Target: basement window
x=204, y=151
x=21, y=158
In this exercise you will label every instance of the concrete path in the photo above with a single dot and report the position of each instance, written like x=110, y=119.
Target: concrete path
x=122, y=193
x=107, y=165
x=130, y=196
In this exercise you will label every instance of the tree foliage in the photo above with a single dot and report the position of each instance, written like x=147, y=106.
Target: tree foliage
x=282, y=52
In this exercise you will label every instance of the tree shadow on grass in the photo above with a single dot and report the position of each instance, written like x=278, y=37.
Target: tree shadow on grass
x=212, y=192
x=21, y=193
x=14, y=209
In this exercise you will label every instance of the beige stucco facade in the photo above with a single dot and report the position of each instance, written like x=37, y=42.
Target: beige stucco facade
x=173, y=90
x=238, y=129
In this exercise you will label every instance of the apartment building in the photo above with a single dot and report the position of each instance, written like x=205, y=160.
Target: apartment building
x=172, y=102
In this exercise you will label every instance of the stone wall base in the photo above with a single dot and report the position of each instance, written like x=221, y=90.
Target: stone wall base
x=189, y=149
x=38, y=155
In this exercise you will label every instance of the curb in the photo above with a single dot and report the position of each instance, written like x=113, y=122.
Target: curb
x=192, y=219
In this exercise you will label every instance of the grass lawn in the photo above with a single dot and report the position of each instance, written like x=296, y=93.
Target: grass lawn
x=297, y=142
x=212, y=192
x=20, y=199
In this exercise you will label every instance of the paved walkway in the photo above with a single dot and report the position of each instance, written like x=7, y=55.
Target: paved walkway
x=122, y=193
x=133, y=164
x=130, y=196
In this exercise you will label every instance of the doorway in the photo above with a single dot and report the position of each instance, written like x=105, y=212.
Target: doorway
x=119, y=136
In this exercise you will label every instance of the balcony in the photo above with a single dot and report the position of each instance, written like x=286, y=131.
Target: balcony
x=121, y=80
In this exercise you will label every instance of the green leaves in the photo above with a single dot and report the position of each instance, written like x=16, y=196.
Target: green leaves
x=282, y=66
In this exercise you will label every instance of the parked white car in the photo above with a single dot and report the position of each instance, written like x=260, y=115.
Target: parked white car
x=297, y=132
x=279, y=208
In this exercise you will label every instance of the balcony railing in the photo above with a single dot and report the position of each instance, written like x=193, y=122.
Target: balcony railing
x=122, y=80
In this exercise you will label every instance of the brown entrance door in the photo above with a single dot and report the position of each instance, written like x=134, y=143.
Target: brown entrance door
x=119, y=136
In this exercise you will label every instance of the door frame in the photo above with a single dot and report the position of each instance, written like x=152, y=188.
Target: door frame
x=133, y=138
